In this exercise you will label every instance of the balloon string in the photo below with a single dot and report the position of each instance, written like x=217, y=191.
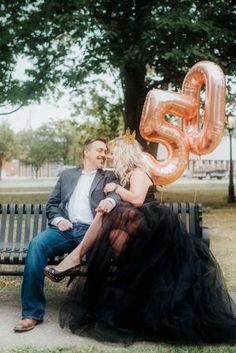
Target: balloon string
x=161, y=194
x=195, y=196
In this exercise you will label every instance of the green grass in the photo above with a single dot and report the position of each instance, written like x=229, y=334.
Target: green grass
x=210, y=195
x=24, y=198
x=216, y=198
x=13, y=283
x=136, y=348
x=19, y=189
x=25, y=195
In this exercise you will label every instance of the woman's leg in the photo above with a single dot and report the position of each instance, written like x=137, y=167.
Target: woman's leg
x=75, y=257
x=118, y=239
x=126, y=228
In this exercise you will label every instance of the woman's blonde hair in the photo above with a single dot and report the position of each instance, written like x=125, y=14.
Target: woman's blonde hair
x=127, y=157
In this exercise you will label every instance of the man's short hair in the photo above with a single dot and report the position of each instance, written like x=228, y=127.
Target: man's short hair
x=90, y=141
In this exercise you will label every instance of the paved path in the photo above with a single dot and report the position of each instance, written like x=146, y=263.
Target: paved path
x=47, y=334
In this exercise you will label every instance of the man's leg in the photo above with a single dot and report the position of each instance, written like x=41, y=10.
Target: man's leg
x=49, y=243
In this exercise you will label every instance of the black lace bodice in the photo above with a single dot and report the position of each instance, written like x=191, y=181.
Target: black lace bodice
x=151, y=194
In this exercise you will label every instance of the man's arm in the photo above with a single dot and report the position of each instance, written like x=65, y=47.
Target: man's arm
x=113, y=195
x=112, y=199
x=52, y=206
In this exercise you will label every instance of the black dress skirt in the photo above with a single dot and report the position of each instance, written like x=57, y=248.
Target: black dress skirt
x=165, y=285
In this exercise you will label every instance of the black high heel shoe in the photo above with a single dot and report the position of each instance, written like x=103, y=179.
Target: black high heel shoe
x=57, y=276
x=72, y=277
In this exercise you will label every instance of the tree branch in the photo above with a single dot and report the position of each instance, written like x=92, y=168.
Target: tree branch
x=13, y=111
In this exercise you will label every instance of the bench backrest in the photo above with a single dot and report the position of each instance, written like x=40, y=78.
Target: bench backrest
x=19, y=223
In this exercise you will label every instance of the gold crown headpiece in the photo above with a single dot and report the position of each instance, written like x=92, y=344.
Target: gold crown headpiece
x=128, y=137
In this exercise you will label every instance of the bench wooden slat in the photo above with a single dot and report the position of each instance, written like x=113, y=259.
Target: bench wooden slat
x=167, y=204
x=11, y=226
x=3, y=228
x=44, y=218
x=183, y=213
x=193, y=226
x=175, y=207
x=9, y=239
x=28, y=209
x=36, y=220
x=19, y=239
x=19, y=226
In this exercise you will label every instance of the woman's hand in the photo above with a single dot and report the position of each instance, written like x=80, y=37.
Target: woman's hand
x=110, y=187
x=104, y=206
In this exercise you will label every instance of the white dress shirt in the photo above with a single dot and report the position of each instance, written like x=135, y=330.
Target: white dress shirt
x=78, y=206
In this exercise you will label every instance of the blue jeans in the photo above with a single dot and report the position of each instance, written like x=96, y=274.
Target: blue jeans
x=52, y=242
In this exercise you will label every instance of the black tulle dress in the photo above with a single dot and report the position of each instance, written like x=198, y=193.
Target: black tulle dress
x=165, y=284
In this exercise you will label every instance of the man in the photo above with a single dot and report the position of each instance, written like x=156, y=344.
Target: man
x=70, y=211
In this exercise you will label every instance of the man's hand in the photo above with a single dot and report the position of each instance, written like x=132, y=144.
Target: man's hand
x=64, y=225
x=105, y=206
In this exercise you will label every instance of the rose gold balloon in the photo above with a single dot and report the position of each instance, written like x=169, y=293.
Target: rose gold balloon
x=204, y=139
x=154, y=127
x=186, y=105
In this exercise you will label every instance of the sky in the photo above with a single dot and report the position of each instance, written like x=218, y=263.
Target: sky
x=36, y=114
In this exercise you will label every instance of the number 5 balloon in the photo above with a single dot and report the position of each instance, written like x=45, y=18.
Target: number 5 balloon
x=199, y=137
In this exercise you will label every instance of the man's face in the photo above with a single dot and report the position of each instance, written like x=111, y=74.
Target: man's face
x=95, y=154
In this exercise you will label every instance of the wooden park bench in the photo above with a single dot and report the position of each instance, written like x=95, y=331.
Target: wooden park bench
x=19, y=223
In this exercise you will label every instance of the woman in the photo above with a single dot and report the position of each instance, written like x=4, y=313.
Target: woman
x=165, y=284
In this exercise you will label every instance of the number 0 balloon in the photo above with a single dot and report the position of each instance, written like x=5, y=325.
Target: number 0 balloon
x=197, y=135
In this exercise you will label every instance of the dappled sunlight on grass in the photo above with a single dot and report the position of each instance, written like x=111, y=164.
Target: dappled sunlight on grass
x=10, y=283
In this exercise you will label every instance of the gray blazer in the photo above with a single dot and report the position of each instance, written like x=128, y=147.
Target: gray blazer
x=56, y=205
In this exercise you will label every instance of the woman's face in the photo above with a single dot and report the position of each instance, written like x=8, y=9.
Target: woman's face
x=110, y=156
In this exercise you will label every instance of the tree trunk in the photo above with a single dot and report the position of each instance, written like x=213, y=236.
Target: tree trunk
x=134, y=96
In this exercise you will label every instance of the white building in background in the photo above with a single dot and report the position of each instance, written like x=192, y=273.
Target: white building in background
x=15, y=168
x=218, y=160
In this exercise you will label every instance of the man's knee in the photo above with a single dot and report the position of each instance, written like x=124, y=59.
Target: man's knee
x=38, y=252
x=38, y=244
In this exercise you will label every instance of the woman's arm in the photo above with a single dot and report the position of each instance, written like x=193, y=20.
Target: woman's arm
x=139, y=184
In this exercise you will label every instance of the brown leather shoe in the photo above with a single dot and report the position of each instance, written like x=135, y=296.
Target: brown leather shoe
x=26, y=325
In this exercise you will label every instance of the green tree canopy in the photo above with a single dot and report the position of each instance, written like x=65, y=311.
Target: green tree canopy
x=150, y=43
x=100, y=103
x=34, y=148
x=58, y=141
